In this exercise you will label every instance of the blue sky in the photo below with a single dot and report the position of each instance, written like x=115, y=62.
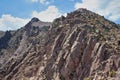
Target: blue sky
x=16, y=13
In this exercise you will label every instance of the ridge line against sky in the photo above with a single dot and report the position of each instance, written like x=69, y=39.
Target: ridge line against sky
x=15, y=14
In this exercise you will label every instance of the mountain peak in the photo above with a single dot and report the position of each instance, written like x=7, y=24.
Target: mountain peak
x=34, y=19
x=81, y=9
x=83, y=45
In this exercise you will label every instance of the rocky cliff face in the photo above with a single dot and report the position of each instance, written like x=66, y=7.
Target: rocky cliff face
x=81, y=46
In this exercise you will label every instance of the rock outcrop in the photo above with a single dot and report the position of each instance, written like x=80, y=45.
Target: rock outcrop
x=81, y=46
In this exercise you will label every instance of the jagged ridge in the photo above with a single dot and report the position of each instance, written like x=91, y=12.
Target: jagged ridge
x=83, y=45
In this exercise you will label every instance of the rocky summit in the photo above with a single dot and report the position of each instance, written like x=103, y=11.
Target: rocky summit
x=81, y=46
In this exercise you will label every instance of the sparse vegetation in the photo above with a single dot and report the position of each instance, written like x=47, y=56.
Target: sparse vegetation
x=87, y=78
x=112, y=73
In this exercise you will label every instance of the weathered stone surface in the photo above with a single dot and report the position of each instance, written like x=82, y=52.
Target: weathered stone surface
x=75, y=47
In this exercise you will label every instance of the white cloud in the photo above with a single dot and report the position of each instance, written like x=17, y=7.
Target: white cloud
x=46, y=2
x=48, y=15
x=8, y=22
x=108, y=8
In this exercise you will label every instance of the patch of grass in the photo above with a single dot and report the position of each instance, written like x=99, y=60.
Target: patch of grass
x=112, y=73
x=87, y=78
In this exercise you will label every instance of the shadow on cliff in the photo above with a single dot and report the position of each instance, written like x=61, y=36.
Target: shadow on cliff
x=5, y=40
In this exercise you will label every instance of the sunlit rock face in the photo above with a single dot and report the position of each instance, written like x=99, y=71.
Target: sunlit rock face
x=81, y=46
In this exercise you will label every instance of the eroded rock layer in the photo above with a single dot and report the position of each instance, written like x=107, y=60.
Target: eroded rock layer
x=81, y=46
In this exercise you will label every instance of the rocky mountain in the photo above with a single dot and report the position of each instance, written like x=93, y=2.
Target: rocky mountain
x=81, y=46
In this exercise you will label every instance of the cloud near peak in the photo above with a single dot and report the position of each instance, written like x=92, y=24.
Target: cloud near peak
x=108, y=8
x=9, y=22
x=47, y=15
